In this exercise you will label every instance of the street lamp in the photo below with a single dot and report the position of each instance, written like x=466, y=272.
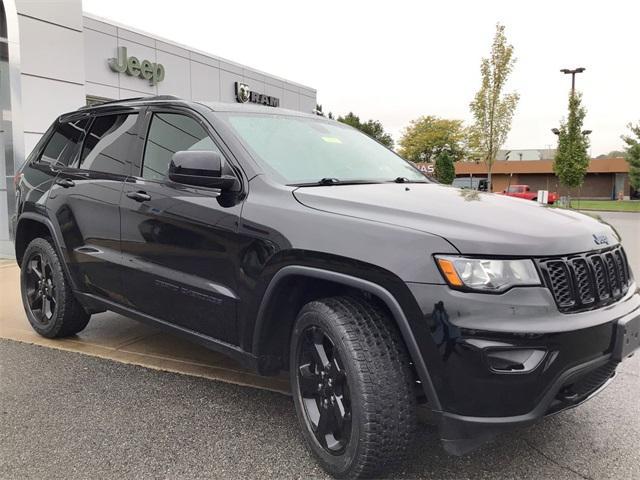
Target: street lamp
x=573, y=72
x=584, y=132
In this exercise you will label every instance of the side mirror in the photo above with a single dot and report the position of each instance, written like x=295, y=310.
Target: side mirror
x=201, y=168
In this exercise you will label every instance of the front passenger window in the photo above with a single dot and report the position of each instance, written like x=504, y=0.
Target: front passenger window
x=170, y=133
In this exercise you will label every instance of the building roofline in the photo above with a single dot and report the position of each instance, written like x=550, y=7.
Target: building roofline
x=603, y=165
x=98, y=18
x=172, y=99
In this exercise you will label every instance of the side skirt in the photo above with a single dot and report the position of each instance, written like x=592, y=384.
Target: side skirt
x=247, y=360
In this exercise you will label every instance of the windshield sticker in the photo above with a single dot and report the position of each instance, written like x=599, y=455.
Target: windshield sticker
x=332, y=140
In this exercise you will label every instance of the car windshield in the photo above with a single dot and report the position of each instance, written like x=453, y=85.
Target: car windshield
x=302, y=150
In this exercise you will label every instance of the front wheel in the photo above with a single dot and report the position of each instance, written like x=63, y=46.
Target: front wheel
x=353, y=387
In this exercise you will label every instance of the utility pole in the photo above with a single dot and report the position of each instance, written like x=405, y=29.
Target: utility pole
x=573, y=72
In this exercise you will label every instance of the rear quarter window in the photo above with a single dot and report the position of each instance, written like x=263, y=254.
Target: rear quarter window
x=62, y=146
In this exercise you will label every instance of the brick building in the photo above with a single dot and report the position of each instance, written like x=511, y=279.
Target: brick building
x=605, y=178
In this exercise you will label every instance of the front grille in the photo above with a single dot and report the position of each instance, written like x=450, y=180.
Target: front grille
x=588, y=280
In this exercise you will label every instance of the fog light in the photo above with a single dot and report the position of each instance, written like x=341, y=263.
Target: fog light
x=514, y=360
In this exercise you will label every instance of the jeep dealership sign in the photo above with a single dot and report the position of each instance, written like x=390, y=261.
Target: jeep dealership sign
x=244, y=94
x=154, y=72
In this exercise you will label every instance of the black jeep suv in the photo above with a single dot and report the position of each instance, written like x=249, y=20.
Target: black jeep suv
x=293, y=242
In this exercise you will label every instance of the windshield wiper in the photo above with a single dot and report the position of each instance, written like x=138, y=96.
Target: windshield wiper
x=328, y=181
x=406, y=180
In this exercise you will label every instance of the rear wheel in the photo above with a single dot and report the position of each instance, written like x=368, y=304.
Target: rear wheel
x=47, y=297
x=352, y=386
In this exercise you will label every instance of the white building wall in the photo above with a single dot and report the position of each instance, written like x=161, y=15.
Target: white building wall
x=189, y=74
x=51, y=50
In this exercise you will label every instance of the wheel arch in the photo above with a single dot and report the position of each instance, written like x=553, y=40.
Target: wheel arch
x=289, y=275
x=33, y=225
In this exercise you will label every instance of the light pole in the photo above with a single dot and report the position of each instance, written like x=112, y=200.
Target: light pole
x=556, y=131
x=573, y=72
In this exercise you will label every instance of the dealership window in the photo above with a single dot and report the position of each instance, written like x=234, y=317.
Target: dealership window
x=108, y=146
x=170, y=133
x=63, y=145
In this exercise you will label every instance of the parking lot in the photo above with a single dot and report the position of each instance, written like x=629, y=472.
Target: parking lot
x=121, y=400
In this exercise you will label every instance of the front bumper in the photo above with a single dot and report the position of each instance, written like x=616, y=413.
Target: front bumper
x=477, y=402
x=461, y=434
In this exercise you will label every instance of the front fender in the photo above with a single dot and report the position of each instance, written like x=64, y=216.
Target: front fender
x=365, y=285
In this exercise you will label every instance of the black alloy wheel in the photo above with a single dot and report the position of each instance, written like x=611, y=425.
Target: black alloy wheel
x=48, y=299
x=40, y=288
x=324, y=390
x=352, y=385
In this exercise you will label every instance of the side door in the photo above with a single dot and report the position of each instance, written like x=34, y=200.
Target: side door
x=180, y=243
x=85, y=202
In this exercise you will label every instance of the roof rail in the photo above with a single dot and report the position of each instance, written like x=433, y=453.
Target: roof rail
x=132, y=99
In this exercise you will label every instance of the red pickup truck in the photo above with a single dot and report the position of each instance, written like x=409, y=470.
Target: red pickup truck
x=523, y=191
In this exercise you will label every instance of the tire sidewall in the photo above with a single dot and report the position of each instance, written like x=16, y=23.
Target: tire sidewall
x=338, y=465
x=44, y=248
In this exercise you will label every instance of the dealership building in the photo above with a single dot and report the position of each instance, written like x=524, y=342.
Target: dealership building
x=606, y=178
x=55, y=58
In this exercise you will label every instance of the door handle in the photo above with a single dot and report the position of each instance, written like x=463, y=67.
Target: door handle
x=139, y=196
x=65, y=182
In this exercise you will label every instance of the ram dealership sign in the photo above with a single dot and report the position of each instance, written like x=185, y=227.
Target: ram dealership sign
x=244, y=94
x=154, y=72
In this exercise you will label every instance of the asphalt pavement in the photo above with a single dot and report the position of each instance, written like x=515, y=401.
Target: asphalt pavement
x=70, y=416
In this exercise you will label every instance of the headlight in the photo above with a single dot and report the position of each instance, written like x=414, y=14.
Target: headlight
x=487, y=275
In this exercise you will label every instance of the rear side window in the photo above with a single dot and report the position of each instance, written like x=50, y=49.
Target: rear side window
x=170, y=133
x=108, y=146
x=64, y=143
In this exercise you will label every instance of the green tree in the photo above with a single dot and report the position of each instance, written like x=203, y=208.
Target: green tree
x=426, y=137
x=632, y=154
x=611, y=154
x=373, y=128
x=445, y=171
x=571, y=161
x=491, y=108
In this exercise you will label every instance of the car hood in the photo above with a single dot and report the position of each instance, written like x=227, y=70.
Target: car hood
x=474, y=222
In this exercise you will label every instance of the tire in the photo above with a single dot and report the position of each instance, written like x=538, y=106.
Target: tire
x=367, y=387
x=48, y=300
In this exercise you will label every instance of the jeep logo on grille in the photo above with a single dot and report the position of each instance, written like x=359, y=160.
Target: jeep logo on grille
x=600, y=239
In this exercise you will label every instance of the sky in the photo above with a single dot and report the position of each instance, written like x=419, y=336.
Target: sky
x=397, y=60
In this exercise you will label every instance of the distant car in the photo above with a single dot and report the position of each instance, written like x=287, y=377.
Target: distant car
x=472, y=183
x=523, y=191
